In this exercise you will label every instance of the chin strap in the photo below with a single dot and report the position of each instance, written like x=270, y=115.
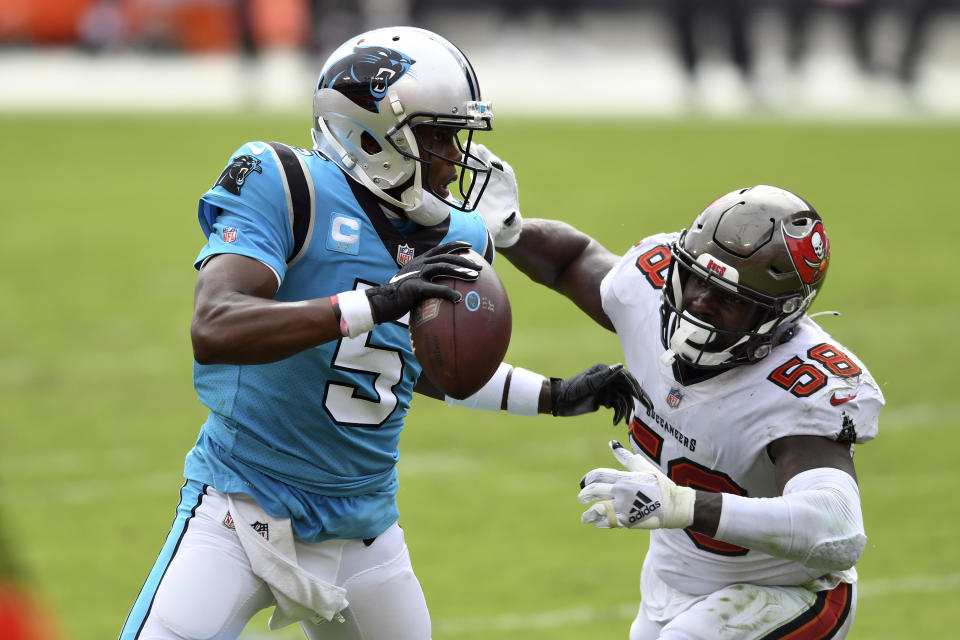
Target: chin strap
x=431, y=210
x=668, y=357
x=688, y=331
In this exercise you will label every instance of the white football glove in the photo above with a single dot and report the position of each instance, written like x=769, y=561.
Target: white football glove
x=641, y=498
x=500, y=203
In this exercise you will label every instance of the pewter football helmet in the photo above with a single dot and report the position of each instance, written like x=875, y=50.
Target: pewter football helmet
x=374, y=91
x=763, y=245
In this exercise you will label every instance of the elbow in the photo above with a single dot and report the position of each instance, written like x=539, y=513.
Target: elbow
x=205, y=336
x=838, y=554
x=204, y=345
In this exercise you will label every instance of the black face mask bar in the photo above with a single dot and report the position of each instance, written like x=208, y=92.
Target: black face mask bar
x=473, y=174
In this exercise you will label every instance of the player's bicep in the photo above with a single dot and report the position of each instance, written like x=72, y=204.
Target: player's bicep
x=229, y=306
x=581, y=281
x=230, y=273
x=792, y=455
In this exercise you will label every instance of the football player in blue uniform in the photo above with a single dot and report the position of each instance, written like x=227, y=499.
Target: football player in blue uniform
x=314, y=258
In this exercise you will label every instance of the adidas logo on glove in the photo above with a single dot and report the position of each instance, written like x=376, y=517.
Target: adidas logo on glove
x=642, y=507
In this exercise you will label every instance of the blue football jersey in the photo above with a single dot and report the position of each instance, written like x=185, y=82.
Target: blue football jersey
x=314, y=436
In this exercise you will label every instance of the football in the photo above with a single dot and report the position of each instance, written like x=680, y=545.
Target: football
x=461, y=345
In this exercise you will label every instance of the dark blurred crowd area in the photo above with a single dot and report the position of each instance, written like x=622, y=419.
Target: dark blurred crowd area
x=317, y=26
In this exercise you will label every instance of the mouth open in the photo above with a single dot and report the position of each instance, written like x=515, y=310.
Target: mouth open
x=440, y=187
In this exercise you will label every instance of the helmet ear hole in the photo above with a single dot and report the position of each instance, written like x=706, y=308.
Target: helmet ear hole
x=369, y=144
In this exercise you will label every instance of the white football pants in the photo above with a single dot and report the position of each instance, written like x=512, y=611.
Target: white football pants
x=742, y=612
x=202, y=587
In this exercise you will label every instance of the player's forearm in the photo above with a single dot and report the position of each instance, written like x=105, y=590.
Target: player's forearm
x=817, y=521
x=242, y=329
x=512, y=389
x=546, y=249
x=559, y=256
x=526, y=393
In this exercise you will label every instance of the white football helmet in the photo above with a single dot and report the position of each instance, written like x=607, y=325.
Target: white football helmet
x=373, y=93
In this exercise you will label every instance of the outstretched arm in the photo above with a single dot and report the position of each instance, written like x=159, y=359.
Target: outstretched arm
x=558, y=256
x=525, y=393
x=569, y=261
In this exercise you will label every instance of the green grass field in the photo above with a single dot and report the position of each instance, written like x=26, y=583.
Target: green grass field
x=97, y=409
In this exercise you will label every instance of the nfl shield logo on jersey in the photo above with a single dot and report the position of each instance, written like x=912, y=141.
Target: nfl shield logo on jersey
x=404, y=254
x=229, y=234
x=674, y=398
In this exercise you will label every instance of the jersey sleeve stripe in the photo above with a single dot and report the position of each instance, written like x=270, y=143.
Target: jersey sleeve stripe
x=488, y=250
x=301, y=198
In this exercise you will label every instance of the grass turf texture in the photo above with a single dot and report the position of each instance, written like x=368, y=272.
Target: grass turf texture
x=99, y=233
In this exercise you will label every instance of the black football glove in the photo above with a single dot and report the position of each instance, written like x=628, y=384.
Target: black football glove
x=413, y=282
x=611, y=386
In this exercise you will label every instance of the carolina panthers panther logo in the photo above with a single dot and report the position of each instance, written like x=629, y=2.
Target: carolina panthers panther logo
x=365, y=75
x=233, y=177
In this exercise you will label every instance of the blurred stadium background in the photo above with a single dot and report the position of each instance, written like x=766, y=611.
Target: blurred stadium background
x=622, y=117
x=856, y=58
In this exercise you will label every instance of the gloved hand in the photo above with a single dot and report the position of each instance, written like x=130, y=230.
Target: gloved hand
x=611, y=386
x=641, y=498
x=500, y=203
x=413, y=282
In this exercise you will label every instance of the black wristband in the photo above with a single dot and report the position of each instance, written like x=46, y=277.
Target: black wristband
x=554, y=393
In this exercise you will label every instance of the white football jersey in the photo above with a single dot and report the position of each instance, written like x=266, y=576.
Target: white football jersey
x=713, y=435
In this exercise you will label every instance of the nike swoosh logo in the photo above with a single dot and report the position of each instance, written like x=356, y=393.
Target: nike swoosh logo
x=401, y=276
x=836, y=402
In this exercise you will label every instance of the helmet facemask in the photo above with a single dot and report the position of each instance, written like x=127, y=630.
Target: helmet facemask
x=695, y=341
x=429, y=133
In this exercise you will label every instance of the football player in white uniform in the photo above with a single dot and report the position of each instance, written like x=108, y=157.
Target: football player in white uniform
x=743, y=461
